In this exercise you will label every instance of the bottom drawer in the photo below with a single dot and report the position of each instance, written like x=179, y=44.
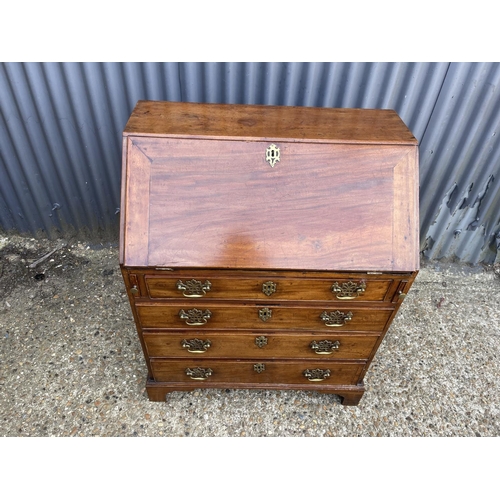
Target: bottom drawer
x=256, y=371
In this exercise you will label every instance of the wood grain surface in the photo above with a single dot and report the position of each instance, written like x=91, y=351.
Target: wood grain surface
x=230, y=316
x=294, y=123
x=324, y=207
x=243, y=371
x=286, y=289
x=242, y=345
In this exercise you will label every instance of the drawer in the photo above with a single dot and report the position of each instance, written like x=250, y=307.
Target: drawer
x=258, y=345
x=274, y=289
x=256, y=371
x=212, y=315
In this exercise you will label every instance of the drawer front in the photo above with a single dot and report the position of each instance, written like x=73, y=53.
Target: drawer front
x=214, y=316
x=273, y=289
x=256, y=371
x=258, y=345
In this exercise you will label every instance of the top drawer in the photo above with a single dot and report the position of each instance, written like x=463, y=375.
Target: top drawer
x=342, y=288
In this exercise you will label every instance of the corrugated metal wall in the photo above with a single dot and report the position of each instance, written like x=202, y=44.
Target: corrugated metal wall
x=61, y=123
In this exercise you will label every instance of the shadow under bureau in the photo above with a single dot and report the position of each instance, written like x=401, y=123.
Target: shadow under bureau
x=266, y=247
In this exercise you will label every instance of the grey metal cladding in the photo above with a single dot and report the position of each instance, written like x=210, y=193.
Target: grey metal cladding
x=459, y=166
x=61, y=124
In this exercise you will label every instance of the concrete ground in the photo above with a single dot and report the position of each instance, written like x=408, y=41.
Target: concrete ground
x=71, y=363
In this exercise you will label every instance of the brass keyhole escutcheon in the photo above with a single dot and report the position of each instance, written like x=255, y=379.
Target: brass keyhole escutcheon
x=265, y=313
x=268, y=288
x=261, y=341
x=272, y=154
x=259, y=367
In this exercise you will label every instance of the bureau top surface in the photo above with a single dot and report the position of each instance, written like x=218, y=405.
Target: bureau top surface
x=189, y=200
x=293, y=123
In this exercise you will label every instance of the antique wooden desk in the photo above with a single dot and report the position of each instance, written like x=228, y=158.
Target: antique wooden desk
x=266, y=247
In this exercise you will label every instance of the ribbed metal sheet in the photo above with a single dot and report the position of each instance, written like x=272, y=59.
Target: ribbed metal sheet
x=61, y=123
x=460, y=167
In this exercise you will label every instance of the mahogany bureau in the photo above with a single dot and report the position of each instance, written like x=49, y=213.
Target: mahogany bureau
x=266, y=247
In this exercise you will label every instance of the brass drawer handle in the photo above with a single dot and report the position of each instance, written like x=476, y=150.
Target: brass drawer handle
x=261, y=341
x=336, y=318
x=349, y=290
x=199, y=373
x=195, y=317
x=268, y=288
x=196, y=346
x=265, y=313
x=134, y=290
x=316, y=375
x=259, y=367
x=194, y=288
x=324, y=346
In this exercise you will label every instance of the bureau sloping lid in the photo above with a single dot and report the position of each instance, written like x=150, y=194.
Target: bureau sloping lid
x=194, y=202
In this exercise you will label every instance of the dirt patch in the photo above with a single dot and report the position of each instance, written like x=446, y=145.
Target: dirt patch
x=43, y=268
x=22, y=262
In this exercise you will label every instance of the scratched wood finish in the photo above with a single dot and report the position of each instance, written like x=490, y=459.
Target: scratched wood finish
x=243, y=371
x=153, y=315
x=237, y=287
x=251, y=122
x=243, y=345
